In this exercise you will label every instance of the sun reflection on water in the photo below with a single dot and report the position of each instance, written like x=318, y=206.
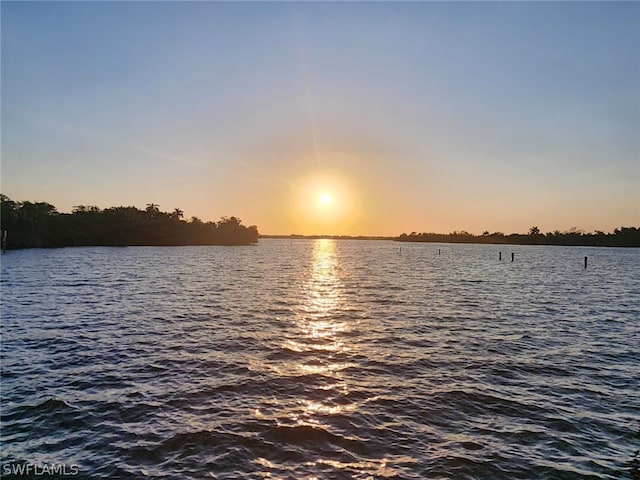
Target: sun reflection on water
x=319, y=352
x=320, y=325
x=324, y=282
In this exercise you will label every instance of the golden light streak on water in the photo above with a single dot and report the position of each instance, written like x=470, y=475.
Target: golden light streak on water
x=321, y=331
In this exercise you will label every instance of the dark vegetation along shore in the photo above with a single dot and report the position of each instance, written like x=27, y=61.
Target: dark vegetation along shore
x=621, y=237
x=39, y=225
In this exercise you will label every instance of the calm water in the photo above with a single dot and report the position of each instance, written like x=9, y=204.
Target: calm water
x=322, y=359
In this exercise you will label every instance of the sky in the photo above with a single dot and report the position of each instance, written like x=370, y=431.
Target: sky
x=363, y=118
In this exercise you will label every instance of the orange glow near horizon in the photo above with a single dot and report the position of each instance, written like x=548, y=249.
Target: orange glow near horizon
x=324, y=203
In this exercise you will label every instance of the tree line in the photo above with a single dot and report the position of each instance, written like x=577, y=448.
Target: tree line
x=620, y=237
x=40, y=225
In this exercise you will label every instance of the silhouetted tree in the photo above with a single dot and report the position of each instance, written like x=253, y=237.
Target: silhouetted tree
x=40, y=225
x=177, y=214
x=152, y=210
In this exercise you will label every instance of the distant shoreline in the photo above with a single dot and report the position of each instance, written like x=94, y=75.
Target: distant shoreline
x=628, y=237
x=321, y=237
x=620, y=237
x=328, y=237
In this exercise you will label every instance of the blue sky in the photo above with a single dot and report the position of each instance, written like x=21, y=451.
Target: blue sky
x=423, y=116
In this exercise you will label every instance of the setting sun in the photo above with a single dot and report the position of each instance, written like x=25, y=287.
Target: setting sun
x=325, y=199
x=325, y=202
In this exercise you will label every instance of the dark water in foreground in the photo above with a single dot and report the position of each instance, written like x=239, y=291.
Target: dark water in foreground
x=322, y=359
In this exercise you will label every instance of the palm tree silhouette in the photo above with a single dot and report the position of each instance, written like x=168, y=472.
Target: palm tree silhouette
x=177, y=214
x=152, y=209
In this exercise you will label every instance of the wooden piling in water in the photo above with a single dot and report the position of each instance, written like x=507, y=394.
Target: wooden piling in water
x=438, y=251
x=512, y=256
x=500, y=256
x=5, y=233
x=585, y=262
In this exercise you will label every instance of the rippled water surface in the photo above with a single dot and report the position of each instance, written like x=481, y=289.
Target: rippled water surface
x=323, y=359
